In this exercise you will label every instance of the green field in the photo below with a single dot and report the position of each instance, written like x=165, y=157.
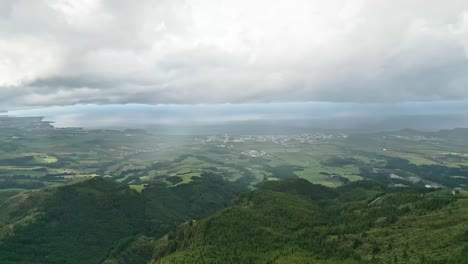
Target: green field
x=36, y=160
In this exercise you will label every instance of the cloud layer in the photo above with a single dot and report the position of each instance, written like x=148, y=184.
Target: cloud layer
x=62, y=52
x=273, y=118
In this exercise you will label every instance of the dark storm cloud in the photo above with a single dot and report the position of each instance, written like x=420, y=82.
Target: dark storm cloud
x=61, y=52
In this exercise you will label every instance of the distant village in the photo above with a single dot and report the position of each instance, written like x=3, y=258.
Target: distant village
x=283, y=140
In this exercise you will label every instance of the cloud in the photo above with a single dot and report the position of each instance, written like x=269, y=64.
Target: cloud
x=61, y=52
x=255, y=118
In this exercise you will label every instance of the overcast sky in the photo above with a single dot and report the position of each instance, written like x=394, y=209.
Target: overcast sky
x=63, y=52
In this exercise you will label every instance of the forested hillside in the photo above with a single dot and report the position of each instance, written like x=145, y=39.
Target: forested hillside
x=86, y=221
x=298, y=222
x=288, y=221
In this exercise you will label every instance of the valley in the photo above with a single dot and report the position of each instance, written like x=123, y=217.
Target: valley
x=322, y=197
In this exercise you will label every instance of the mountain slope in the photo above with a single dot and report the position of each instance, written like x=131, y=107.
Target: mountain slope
x=99, y=219
x=372, y=226
x=76, y=223
x=290, y=221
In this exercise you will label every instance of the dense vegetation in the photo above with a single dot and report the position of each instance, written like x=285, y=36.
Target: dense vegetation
x=436, y=173
x=166, y=207
x=362, y=223
x=84, y=222
x=288, y=221
x=77, y=224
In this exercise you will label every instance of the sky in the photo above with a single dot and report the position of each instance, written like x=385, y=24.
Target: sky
x=359, y=55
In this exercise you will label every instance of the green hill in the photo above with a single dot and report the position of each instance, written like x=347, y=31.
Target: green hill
x=288, y=221
x=357, y=226
x=76, y=223
x=93, y=220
